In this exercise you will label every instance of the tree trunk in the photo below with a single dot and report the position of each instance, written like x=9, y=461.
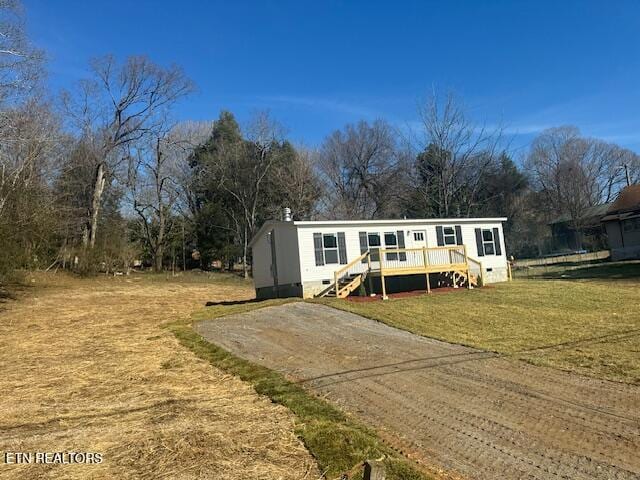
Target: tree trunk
x=184, y=256
x=245, y=269
x=85, y=233
x=98, y=190
x=159, y=254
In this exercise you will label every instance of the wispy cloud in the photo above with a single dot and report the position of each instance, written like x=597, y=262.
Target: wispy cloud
x=321, y=103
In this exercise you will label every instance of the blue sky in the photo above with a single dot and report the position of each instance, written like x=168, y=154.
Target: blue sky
x=317, y=65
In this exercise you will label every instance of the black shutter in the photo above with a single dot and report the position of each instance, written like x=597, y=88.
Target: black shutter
x=496, y=241
x=317, y=246
x=403, y=255
x=479, y=242
x=459, y=235
x=364, y=244
x=342, y=248
x=440, y=236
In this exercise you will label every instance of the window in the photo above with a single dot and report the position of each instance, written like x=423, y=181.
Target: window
x=330, y=247
x=488, y=243
x=373, y=244
x=373, y=239
x=418, y=236
x=449, y=236
x=391, y=241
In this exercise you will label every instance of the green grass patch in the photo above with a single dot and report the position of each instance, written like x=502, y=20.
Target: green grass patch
x=337, y=442
x=587, y=326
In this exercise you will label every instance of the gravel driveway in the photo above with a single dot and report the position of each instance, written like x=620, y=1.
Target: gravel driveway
x=463, y=410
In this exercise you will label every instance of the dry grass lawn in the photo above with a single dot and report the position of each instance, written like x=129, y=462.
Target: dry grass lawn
x=87, y=366
x=590, y=326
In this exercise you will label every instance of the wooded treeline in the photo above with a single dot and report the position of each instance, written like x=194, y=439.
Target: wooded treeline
x=102, y=176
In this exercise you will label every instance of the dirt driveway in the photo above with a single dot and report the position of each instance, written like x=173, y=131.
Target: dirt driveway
x=457, y=408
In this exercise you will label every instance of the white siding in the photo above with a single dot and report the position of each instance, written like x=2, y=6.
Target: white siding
x=312, y=273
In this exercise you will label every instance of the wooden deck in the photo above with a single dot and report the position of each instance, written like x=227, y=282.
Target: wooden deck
x=453, y=262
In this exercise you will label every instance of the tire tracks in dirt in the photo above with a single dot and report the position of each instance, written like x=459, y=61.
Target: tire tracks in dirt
x=463, y=410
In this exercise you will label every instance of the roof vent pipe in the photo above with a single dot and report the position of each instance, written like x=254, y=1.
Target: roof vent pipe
x=287, y=214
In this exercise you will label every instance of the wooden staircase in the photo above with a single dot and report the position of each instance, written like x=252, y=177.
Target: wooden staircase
x=461, y=278
x=346, y=285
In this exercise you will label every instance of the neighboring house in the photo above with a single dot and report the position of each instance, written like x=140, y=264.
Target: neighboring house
x=564, y=236
x=313, y=258
x=622, y=223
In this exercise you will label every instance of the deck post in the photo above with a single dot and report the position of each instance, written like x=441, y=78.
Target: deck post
x=335, y=279
x=466, y=260
x=425, y=257
x=369, y=279
x=384, y=287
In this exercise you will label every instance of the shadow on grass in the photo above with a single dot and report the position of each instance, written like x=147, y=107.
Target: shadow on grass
x=9, y=293
x=604, y=271
x=231, y=302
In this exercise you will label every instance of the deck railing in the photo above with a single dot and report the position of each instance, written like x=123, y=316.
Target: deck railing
x=394, y=259
x=398, y=261
x=476, y=269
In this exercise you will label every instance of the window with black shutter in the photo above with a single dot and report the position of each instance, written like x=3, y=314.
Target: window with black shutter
x=488, y=241
x=330, y=248
x=449, y=235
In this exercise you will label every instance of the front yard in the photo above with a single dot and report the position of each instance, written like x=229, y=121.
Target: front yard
x=587, y=326
x=89, y=366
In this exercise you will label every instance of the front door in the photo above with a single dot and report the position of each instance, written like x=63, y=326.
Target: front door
x=419, y=238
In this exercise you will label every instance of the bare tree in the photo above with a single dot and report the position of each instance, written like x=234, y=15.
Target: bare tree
x=20, y=62
x=155, y=181
x=454, y=155
x=118, y=106
x=572, y=172
x=361, y=166
x=27, y=149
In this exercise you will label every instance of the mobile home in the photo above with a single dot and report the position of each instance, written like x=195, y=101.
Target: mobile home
x=343, y=257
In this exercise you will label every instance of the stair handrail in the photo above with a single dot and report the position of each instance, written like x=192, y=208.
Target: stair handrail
x=480, y=268
x=338, y=273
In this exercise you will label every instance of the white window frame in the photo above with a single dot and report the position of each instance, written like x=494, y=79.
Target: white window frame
x=326, y=249
x=418, y=236
x=369, y=246
x=374, y=249
x=393, y=255
x=449, y=238
x=395, y=235
x=491, y=243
